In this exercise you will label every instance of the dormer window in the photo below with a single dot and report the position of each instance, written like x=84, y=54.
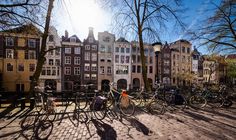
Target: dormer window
x=72, y=39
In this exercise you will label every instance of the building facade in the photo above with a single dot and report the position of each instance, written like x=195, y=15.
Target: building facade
x=90, y=60
x=19, y=48
x=105, y=58
x=51, y=71
x=122, y=64
x=196, y=66
x=71, y=62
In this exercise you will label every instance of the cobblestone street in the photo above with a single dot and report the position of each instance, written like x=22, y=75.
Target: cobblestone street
x=202, y=124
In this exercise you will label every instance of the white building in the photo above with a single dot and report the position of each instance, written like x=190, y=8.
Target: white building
x=105, y=58
x=122, y=64
x=51, y=71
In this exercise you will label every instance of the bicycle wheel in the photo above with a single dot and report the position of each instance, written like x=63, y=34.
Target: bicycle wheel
x=100, y=113
x=29, y=120
x=138, y=100
x=80, y=115
x=51, y=114
x=43, y=130
x=180, y=102
x=197, y=101
x=81, y=100
x=216, y=101
x=126, y=106
x=156, y=107
x=110, y=100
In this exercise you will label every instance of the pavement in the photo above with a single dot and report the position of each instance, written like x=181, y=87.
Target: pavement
x=201, y=124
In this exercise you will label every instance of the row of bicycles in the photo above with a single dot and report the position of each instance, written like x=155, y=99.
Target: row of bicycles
x=85, y=107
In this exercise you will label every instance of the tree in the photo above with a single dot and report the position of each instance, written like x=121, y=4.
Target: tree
x=19, y=12
x=144, y=19
x=218, y=32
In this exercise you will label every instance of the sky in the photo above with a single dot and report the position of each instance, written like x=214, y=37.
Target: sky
x=76, y=16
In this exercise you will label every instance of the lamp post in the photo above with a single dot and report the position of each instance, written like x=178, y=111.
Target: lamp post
x=157, y=49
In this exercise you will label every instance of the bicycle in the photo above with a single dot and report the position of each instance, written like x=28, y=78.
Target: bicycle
x=45, y=104
x=121, y=100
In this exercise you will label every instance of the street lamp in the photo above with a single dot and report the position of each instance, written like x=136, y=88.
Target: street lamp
x=157, y=49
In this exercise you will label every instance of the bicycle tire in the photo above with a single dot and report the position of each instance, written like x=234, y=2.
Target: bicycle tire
x=197, y=101
x=101, y=113
x=110, y=100
x=156, y=107
x=81, y=102
x=51, y=115
x=43, y=130
x=216, y=101
x=80, y=115
x=29, y=120
x=128, y=109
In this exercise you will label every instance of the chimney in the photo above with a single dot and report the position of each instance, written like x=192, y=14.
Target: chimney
x=66, y=34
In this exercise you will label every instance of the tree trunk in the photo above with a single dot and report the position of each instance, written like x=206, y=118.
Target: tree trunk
x=42, y=53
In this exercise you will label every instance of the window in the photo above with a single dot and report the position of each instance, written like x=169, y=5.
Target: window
x=32, y=54
x=93, y=76
x=77, y=70
x=122, y=50
x=166, y=62
x=87, y=47
x=166, y=71
x=50, y=38
x=90, y=40
x=109, y=70
x=53, y=71
x=72, y=39
x=121, y=69
x=57, y=62
x=150, y=60
x=9, y=41
x=108, y=48
x=50, y=52
x=21, y=67
x=58, y=71
x=94, y=57
x=86, y=67
x=146, y=51
x=108, y=59
x=77, y=50
x=117, y=49
x=183, y=49
x=102, y=48
x=48, y=71
x=133, y=58
x=102, y=69
x=67, y=60
x=117, y=58
x=134, y=49
x=133, y=68
x=188, y=50
x=87, y=56
x=57, y=51
x=67, y=70
x=86, y=76
x=127, y=50
x=127, y=59
x=94, y=47
x=166, y=55
x=76, y=60
x=102, y=60
x=32, y=43
x=50, y=61
x=150, y=69
x=9, y=53
x=67, y=50
x=139, y=59
x=139, y=69
x=43, y=71
x=94, y=67
x=106, y=39
x=9, y=67
x=122, y=59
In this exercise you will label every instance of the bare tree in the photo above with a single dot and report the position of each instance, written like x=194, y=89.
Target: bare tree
x=19, y=12
x=218, y=32
x=144, y=19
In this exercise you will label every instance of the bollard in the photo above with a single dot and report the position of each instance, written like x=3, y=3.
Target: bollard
x=32, y=103
x=22, y=103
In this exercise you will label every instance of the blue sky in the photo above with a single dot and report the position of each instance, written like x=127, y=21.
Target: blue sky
x=77, y=15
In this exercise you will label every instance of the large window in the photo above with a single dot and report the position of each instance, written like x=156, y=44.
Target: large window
x=122, y=50
x=127, y=50
x=50, y=48
x=134, y=69
x=50, y=61
x=49, y=71
x=77, y=50
x=86, y=76
x=86, y=67
x=67, y=60
x=67, y=70
x=9, y=41
x=50, y=38
x=183, y=49
x=117, y=58
x=122, y=59
x=139, y=69
x=102, y=48
x=94, y=67
x=122, y=69
x=94, y=47
x=72, y=39
x=67, y=50
x=127, y=59
x=9, y=67
x=31, y=67
x=32, y=43
x=53, y=71
x=94, y=57
x=32, y=54
x=117, y=49
x=57, y=51
x=57, y=61
x=77, y=70
x=93, y=76
x=102, y=69
x=21, y=67
x=87, y=56
x=76, y=60
x=109, y=71
x=9, y=53
x=150, y=69
x=87, y=47
x=133, y=58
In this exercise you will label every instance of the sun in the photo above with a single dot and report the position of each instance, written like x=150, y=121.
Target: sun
x=84, y=14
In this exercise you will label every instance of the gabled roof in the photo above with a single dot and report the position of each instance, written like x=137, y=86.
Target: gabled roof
x=121, y=39
x=68, y=39
x=25, y=29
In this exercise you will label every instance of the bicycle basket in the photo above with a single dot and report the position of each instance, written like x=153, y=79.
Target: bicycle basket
x=98, y=103
x=124, y=99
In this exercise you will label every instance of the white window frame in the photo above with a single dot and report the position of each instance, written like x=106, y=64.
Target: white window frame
x=67, y=50
x=93, y=76
x=67, y=70
x=33, y=41
x=86, y=67
x=67, y=60
x=87, y=47
x=94, y=57
x=94, y=67
x=31, y=52
x=76, y=70
x=77, y=50
x=94, y=47
x=87, y=56
x=10, y=53
x=77, y=60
